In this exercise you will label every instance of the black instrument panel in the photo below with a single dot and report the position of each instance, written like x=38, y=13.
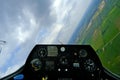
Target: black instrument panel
x=63, y=61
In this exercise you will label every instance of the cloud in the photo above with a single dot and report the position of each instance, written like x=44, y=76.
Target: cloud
x=10, y=70
x=27, y=22
x=22, y=36
x=17, y=32
x=20, y=22
x=50, y=35
x=68, y=14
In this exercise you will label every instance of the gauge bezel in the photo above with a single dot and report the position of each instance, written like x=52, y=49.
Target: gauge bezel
x=44, y=52
x=83, y=53
x=89, y=65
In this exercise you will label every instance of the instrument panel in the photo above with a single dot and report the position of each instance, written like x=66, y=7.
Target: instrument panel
x=63, y=61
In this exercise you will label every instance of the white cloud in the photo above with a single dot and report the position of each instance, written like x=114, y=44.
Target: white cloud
x=22, y=36
x=52, y=34
x=68, y=13
x=26, y=27
x=10, y=70
x=21, y=28
x=4, y=58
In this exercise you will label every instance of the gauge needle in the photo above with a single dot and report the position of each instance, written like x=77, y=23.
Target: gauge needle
x=91, y=64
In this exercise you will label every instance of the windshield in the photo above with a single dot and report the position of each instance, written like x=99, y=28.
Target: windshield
x=25, y=23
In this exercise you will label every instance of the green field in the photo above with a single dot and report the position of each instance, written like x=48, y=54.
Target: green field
x=104, y=35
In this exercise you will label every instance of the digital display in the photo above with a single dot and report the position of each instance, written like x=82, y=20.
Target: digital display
x=52, y=50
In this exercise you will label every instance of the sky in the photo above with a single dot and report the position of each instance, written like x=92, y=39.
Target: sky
x=24, y=23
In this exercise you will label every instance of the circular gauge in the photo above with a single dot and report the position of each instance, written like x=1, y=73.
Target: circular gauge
x=36, y=64
x=83, y=53
x=89, y=65
x=62, y=49
x=42, y=52
x=63, y=60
